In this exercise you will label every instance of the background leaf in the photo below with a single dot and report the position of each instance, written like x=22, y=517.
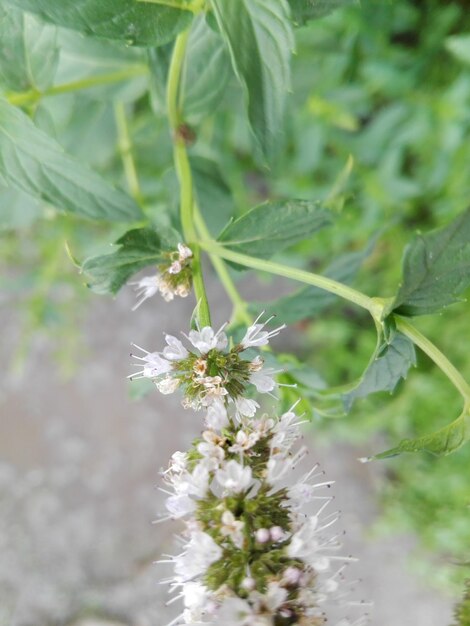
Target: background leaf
x=309, y=301
x=138, y=248
x=28, y=51
x=33, y=162
x=388, y=366
x=269, y=228
x=259, y=36
x=440, y=443
x=141, y=24
x=213, y=193
x=436, y=269
x=17, y=209
x=304, y=10
x=206, y=73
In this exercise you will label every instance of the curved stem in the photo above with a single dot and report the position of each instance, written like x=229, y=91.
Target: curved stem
x=125, y=150
x=239, y=305
x=183, y=171
x=436, y=355
x=374, y=306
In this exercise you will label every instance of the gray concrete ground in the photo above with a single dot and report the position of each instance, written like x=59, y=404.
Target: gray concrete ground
x=78, y=469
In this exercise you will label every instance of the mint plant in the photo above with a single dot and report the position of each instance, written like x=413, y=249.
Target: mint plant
x=250, y=557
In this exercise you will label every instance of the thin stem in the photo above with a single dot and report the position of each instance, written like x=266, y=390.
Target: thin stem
x=240, y=307
x=125, y=150
x=373, y=305
x=176, y=4
x=405, y=327
x=183, y=170
x=34, y=95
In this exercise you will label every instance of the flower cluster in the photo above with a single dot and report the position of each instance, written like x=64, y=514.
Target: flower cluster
x=173, y=277
x=211, y=374
x=250, y=556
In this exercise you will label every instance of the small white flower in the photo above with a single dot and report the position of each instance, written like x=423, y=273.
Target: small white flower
x=180, y=505
x=174, y=350
x=146, y=287
x=244, y=441
x=277, y=533
x=246, y=407
x=234, y=477
x=255, y=336
x=207, y=339
x=262, y=535
x=200, y=553
x=178, y=462
x=154, y=364
x=212, y=453
x=232, y=528
x=175, y=268
x=167, y=385
x=184, y=252
x=263, y=380
x=216, y=417
x=235, y=612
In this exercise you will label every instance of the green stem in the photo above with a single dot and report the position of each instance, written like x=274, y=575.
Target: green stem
x=125, y=150
x=436, y=355
x=34, y=95
x=374, y=306
x=175, y=4
x=183, y=171
x=239, y=305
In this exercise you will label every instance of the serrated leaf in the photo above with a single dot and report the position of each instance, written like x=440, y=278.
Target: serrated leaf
x=442, y=442
x=36, y=164
x=136, y=23
x=138, y=248
x=259, y=36
x=269, y=228
x=309, y=301
x=436, y=269
x=389, y=364
x=213, y=193
x=28, y=51
x=206, y=74
x=304, y=10
x=115, y=70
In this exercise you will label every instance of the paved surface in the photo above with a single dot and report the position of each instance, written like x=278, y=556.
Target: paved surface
x=79, y=465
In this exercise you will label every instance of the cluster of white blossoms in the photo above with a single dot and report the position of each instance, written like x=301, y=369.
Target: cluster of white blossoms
x=249, y=555
x=173, y=277
x=211, y=374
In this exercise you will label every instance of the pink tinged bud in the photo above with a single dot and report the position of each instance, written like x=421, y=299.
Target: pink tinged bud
x=175, y=268
x=292, y=576
x=277, y=534
x=184, y=252
x=248, y=583
x=262, y=535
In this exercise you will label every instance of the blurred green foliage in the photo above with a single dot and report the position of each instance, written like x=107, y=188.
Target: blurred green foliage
x=386, y=83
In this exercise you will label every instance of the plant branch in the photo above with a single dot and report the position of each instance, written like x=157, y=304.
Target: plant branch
x=455, y=377
x=183, y=170
x=34, y=95
x=125, y=150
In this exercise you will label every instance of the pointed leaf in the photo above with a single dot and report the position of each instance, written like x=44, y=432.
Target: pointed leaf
x=138, y=248
x=136, y=23
x=436, y=269
x=273, y=226
x=28, y=50
x=33, y=162
x=440, y=443
x=259, y=36
x=387, y=367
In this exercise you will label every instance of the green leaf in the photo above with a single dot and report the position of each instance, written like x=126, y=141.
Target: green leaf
x=459, y=47
x=389, y=364
x=206, y=74
x=259, y=36
x=309, y=301
x=33, y=162
x=273, y=226
x=442, y=442
x=304, y=10
x=17, y=209
x=138, y=248
x=28, y=51
x=213, y=193
x=436, y=269
x=136, y=23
